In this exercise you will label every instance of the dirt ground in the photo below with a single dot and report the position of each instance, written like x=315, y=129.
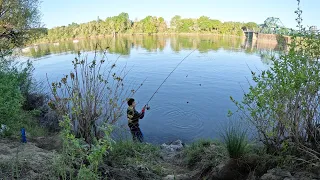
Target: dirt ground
x=24, y=161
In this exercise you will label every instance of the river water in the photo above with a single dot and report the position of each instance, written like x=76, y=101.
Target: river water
x=194, y=101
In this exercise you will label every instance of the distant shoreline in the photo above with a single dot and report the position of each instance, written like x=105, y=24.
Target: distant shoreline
x=138, y=34
x=262, y=38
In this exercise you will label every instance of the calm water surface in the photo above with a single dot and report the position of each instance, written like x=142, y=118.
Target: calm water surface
x=193, y=103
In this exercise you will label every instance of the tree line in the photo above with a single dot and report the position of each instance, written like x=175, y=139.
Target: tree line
x=121, y=24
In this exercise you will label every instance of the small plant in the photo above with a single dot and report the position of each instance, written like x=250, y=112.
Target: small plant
x=78, y=158
x=235, y=140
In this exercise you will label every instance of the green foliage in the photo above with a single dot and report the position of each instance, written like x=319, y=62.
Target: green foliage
x=11, y=98
x=251, y=26
x=204, y=153
x=17, y=18
x=235, y=139
x=14, y=88
x=149, y=25
x=79, y=159
x=86, y=174
x=208, y=25
x=283, y=105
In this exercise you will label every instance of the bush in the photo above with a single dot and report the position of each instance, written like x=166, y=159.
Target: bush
x=93, y=94
x=15, y=85
x=79, y=159
x=11, y=98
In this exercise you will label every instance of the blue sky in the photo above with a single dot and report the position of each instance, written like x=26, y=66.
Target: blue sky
x=64, y=12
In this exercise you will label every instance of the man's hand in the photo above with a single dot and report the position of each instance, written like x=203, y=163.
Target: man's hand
x=144, y=108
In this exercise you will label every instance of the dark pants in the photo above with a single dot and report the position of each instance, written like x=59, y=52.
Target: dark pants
x=137, y=135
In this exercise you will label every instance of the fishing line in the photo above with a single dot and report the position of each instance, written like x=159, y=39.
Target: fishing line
x=167, y=78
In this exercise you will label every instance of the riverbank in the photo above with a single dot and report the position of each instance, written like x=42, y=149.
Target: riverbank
x=203, y=159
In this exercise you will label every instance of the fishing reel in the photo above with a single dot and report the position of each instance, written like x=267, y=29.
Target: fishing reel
x=147, y=107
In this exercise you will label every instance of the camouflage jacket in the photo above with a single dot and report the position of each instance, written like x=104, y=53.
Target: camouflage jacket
x=133, y=117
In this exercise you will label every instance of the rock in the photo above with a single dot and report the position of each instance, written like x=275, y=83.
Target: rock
x=176, y=177
x=277, y=174
x=173, y=146
x=169, y=177
x=3, y=128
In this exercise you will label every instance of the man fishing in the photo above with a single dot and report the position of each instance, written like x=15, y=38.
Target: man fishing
x=133, y=120
x=134, y=116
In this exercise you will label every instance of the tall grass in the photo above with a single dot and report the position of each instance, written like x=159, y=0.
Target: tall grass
x=236, y=141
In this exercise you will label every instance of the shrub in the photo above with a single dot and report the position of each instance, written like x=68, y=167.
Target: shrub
x=93, y=94
x=15, y=86
x=79, y=159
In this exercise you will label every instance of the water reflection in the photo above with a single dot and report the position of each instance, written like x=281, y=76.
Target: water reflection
x=123, y=45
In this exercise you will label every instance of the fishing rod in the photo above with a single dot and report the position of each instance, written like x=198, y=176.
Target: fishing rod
x=148, y=107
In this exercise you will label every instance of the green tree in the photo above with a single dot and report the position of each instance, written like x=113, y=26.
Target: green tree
x=215, y=25
x=121, y=22
x=204, y=23
x=150, y=24
x=17, y=18
x=186, y=25
x=162, y=26
x=175, y=23
x=251, y=26
x=137, y=26
x=283, y=105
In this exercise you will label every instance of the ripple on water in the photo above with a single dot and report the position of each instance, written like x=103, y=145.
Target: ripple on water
x=181, y=122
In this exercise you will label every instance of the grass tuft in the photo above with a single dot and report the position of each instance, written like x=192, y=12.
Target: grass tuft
x=235, y=139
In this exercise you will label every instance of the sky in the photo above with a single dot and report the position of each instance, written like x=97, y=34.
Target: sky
x=64, y=12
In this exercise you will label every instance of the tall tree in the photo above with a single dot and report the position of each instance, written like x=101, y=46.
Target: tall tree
x=150, y=24
x=162, y=26
x=250, y=26
x=175, y=23
x=17, y=19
